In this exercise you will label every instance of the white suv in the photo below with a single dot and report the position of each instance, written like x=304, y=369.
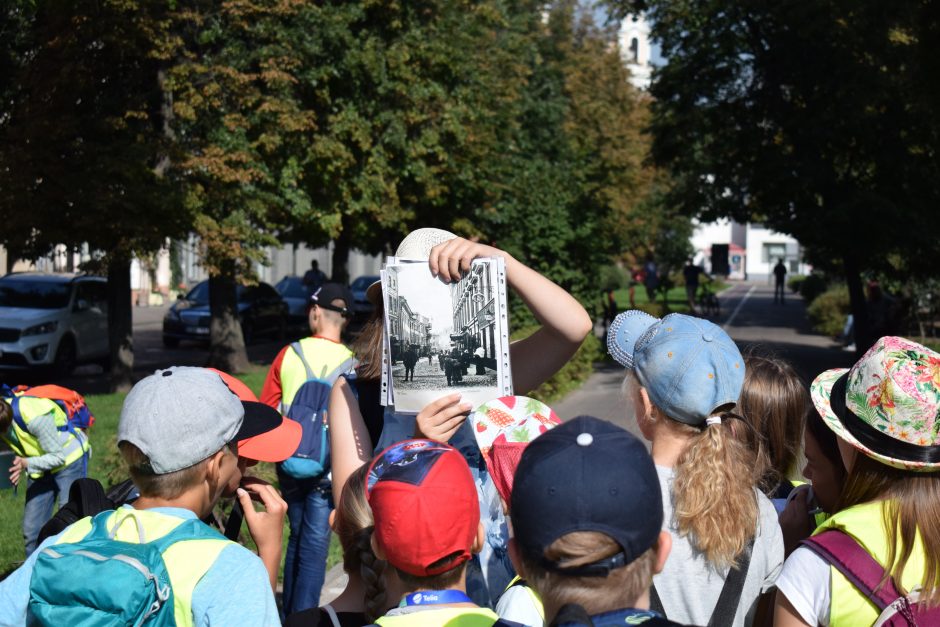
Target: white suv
x=57, y=320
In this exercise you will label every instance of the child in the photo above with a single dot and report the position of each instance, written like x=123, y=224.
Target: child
x=50, y=456
x=774, y=402
x=587, y=515
x=427, y=525
x=684, y=378
x=176, y=432
x=504, y=428
x=352, y=522
x=884, y=410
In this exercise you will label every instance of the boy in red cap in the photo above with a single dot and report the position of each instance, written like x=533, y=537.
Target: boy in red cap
x=427, y=526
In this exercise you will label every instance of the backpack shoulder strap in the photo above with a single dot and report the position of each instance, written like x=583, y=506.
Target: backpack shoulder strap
x=17, y=415
x=334, y=619
x=727, y=605
x=847, y=556
x=502, y=622
x=298, y=349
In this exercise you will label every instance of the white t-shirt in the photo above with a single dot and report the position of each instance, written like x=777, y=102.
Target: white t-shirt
x=689, y=585
x=517, y=604
x=806, y=583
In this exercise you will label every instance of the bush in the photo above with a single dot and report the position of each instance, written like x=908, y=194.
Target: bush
x=573, y=374
x=612, y=277
x=828, y=311
x=812, y=287
x=796, y=282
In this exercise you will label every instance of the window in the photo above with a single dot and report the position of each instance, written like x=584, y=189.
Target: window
x=634, y=50
x=772, y=252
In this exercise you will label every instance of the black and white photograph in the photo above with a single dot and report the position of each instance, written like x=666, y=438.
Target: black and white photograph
x=443, y=338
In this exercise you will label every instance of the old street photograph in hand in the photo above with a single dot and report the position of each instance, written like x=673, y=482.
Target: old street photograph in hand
x=445, y=337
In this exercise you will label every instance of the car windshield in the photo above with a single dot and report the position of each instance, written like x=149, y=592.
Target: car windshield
x=291, y=288
x=363, y=282
x=34, y=294
x=199, y=294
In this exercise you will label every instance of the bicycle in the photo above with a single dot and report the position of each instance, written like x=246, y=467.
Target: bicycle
x=708, y=303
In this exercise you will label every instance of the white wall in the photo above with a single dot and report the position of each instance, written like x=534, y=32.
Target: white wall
x=760, y=264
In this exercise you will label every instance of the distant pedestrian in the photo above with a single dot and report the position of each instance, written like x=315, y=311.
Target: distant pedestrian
x=690, y=273
x=780, y=275
x=314, y=277
x=650, y=278
x=478, y=356
x=636, y=278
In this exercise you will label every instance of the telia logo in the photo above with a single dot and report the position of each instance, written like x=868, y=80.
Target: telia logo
x=416, y=598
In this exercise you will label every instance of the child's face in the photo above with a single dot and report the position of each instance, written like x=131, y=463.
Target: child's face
x=822, y=472
x=232, y=467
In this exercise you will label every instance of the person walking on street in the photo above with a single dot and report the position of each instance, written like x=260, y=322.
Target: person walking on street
x=780, y=280
x=314, y=277
x=650, y=278
x=308, y=496
x=691, y=272
x=410, y=358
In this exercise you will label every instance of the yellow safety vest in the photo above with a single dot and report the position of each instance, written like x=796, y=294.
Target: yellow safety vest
x=863, y=522
x=324, y=357
x=25, y=444
x=187, y=561
x=450, y=616
x=536, y=600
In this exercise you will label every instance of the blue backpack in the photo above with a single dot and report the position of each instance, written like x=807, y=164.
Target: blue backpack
x=102, y=581
x=309, y=408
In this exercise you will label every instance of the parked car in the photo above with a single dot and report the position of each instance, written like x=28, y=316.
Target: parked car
x=53, y=320
x=362, y=307
x=297, y=297
x=261, y=310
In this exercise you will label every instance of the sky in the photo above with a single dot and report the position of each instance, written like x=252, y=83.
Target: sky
x=426, y=295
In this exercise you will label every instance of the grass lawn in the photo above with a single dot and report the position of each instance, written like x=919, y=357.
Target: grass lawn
x=675, y=298
x=105, y=466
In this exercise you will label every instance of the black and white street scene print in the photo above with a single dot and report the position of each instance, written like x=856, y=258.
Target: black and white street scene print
x=442, y=337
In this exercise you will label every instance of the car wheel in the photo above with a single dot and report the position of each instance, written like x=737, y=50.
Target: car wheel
x=65, y=357
x=170, y=342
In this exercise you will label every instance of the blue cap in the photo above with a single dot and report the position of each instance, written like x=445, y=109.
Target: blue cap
x=586, y=475
x=688, y=366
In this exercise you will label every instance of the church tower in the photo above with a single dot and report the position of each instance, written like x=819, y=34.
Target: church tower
x=634, y=38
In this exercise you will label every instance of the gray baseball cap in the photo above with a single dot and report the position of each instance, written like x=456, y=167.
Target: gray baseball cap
x=180, y=416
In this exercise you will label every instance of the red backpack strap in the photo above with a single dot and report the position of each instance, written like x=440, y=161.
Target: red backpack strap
x=847, y=556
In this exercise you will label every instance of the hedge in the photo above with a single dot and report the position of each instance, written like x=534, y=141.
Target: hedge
x=829, y=310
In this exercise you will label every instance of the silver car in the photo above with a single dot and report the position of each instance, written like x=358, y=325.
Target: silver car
x=57, y=320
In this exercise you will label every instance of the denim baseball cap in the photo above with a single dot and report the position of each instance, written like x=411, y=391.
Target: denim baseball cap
x=586, y=475
x=180, y=416
x=688, y=366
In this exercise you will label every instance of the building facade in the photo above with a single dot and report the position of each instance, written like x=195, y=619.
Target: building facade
x=753, y=249
x=474, y=306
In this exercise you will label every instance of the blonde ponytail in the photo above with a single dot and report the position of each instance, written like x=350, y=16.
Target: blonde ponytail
x=713, y=491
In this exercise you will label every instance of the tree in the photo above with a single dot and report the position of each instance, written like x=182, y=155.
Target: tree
x=812, y=118
x=82, y=144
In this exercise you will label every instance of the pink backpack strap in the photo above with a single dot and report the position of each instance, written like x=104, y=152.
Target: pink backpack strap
x=847, y=556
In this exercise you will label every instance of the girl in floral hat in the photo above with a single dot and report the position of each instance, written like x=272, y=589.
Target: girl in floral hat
x=885, y=411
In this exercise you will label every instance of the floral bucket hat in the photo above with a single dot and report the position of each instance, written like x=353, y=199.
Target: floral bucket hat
x=503, y=428
x=887, y=405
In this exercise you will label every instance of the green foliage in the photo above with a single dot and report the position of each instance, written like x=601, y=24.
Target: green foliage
x=812, y=286
x=612, y=277
x=828, y=311
x=574, y=373
x=795, y=281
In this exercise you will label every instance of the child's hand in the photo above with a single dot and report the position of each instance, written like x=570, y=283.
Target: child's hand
x=796, y=522
x=440, y=419
x=17, y=469
x=267, y=526
x=451, y=260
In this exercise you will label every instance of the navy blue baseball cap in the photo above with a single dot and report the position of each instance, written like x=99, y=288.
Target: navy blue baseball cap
x=688, y=366
x=326, y=294
x=586, y=475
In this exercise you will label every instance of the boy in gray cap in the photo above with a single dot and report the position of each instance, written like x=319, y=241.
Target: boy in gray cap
x=178, y=434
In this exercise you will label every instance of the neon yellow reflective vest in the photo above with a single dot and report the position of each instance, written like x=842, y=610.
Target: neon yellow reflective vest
x=863, y=522
x=450, y=616
x=533, y=595
x=324, y=357
x=187, y=561
x=25, y=444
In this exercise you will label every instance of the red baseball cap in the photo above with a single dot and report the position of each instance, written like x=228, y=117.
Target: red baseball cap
x=274, y=445
x=425, y=505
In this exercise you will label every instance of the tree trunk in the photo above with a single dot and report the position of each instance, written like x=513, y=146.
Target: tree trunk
x=341, y=255
x=120, y=322
x=858, y=304
x=226, y=342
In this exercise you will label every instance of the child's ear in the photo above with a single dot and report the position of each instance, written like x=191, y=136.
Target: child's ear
x=214, y=467
x=333, y=519
x=516, y=557
x=376, y=549
x=480, y=538
x=663, y=548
